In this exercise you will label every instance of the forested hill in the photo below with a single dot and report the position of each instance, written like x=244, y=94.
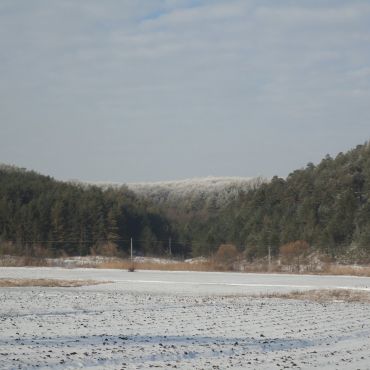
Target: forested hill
x=41, y=215
x=328, y=205
x=189, y=203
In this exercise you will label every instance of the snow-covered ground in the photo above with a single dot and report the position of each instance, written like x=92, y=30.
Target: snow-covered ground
x=190, y=282
x=182, y=320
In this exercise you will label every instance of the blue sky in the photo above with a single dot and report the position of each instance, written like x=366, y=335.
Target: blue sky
x=160, y=90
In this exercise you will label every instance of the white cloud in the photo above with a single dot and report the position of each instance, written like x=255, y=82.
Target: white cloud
x=310, y=14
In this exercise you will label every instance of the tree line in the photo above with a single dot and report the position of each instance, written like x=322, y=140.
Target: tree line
x=38, y=213
x=326, y=205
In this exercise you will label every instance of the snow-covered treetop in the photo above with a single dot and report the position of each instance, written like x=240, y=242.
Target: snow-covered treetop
x=216, y=189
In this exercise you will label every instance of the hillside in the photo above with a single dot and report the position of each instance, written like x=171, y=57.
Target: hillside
x=198, y=192
x=42, y=216
x=327, y=205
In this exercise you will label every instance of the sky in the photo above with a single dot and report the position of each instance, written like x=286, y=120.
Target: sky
x=150, y=90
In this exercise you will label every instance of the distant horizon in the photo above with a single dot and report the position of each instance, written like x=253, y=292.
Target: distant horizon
x=103, y=182
x=180, y=180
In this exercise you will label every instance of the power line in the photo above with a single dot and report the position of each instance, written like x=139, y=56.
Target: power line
x=90, y=241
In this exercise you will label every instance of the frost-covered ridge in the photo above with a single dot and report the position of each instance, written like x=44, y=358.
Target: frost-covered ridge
x=219, y=189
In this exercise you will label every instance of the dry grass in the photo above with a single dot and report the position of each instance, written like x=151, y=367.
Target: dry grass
x=261, y=268
x=47, y=283
x=176, y=266
x=323, y=295
x=332, y=269
x=327, y=268
x=16, y=261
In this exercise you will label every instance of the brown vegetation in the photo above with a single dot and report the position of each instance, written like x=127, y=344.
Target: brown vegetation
x=293, y=253
x=323, y=295
x=334, y=269
x=105, y=249
x=47, y=283
x=175, y=266
x=255, y=267
x=225, y=257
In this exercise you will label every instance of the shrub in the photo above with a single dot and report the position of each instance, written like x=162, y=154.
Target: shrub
x=8, y=248
x=106, y=249
x=292, y=253
x=226, y=255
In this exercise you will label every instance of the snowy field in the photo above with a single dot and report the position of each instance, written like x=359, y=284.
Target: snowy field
x=151, y=319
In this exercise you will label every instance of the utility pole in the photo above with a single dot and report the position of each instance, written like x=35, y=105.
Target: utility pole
x=269, y=248
x=132, y=268
x=269, y=257
x=131, y=250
